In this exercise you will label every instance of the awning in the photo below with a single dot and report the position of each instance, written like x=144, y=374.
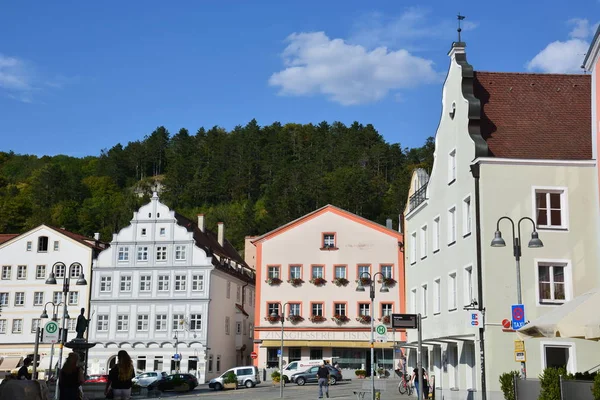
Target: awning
x=9, y=363
x=325, y=343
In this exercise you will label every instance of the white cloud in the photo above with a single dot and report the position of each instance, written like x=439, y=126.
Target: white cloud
x=346, y=73
x=565, y=56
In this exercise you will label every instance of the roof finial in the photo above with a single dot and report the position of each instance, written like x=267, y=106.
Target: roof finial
x=459, y=30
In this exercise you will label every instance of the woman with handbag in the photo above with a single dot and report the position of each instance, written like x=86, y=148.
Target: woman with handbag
x=119, y=382
x=70, y=379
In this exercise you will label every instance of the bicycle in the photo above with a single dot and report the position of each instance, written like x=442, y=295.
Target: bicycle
x=404, y=386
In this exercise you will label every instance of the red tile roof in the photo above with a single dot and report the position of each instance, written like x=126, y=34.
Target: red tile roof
x=90, y=242
x=535, y=116
x=5, y=237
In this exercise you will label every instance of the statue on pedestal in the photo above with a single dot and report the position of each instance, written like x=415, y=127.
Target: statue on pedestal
x=82, y=325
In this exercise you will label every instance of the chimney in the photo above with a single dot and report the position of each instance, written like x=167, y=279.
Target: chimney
x=96, y=236
x=201, y=222
x=221, y=233
x=388, y=223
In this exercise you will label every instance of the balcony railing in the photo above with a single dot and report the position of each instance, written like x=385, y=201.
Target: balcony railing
x=417, y=197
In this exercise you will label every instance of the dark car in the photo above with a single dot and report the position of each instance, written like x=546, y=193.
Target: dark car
x=177, y=382
x=97, y=379
x=310, y=376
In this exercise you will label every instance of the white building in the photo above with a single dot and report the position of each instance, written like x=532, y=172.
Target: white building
x=26, y=261
x=508, y=144
x=170, y=286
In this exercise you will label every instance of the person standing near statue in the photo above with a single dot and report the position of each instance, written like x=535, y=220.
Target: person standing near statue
x=82, y=324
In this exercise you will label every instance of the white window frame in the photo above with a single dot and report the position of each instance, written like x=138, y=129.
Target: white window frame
x=3, y=324
x=179, y=284
x=35, y=298
x=196, y=322
x=424, y=303
x=102, y=323
x=451, y=166
x=125, y=283
x=123, y=254
x=6, y=272
x=145, y=283
x=437, y=295
x=413, y=300
x=56, y=245
x=571, y=364
x=180, y=253
x=142, y=253
x=568, y=281
x=163, y=283
x=28, y=246
x=413, y=248
x=452, y=291
x=39, y=268
x=162, y=231
x=73, y=296
x=160, y=324
x=106, y=284
x=4, y=299
x=143, y=322
x=467, y=212
x=161, y=253
x=423, y=241
x=227, y=325
x=468, y=281
x=435, y=238
x=19, y=299
x=123, y=321
x=23, y=269
x=17, y=325
x=564, y=207
x=451, y=225
x=197, y=282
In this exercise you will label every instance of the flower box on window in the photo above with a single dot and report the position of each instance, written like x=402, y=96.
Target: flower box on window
x=364, y=319
x=365, y=281
x=389, y=282
x=340, y=281
x=273, y=281
x=294, y=319
x=318, y=281
x=340, y=319
x=385, y=319
x=295, y=282
x=317, y=318
x=273, y=319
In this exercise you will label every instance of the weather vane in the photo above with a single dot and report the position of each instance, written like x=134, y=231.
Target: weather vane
x=459, y=30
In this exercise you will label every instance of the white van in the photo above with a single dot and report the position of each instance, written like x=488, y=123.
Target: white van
x=301, y=366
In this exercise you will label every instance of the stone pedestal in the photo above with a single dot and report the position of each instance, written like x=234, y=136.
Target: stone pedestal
x=81, y=347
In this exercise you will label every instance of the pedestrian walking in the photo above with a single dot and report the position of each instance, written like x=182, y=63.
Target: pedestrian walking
x=119, y=378
x=415, y=379
x=71, y=378
x=23, y=372
x=323, y=376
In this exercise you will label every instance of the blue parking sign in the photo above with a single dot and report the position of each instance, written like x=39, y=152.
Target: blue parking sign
x=518, y=316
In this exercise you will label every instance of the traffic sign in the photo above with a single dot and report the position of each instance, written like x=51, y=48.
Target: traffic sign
x=506, y=323
x=253, y=355
x=278, y=352
x=519, y=345
x=176, y=357
x=50, y=332
x=520, y=356
x=381, y=333
x=475, y=319
x=518, y=316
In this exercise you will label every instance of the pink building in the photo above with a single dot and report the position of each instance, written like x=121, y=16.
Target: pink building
x=591, y=64
x=313, y=264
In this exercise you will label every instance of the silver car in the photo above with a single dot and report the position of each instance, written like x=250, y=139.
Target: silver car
x=146, y=378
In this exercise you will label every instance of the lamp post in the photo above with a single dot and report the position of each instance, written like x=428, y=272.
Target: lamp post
x=383, y=289
x=534, y=243
x=176, y=351
x=54, y=318
x=281, y=376
x=66, y=280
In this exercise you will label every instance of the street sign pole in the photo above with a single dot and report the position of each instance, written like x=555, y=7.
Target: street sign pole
x=420, y=356
x=35, y=352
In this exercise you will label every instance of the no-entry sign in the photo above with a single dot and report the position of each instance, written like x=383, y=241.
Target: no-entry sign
x=253, y=355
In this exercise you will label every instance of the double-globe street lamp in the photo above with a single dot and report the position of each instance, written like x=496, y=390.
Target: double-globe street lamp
x=534, y=243
x=65, y=293
x=176, y=338
x=282, y=318
x=383, y=289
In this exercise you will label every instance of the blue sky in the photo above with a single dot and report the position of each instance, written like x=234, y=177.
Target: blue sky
x=80, y=76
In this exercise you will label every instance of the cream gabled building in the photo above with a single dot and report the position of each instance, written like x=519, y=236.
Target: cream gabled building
x=508, y=144
x=26, y=261
x=170, y=286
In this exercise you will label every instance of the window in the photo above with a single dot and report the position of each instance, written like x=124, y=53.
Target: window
x=317, y=309
x=161, y=322
x=317, y=271
x=179, y=253
x=210, y=363
x=161, y=253
x=105, y=284
x=467, y=222
x=22, y=272
x=329, y=240
x=196, y=322
x=452, y=166
x=424, y=301
x=551, y=283
x=558, y=355
x=4, y=299
x=468, y=285
x=143, y=231
x=451, y=225
x=123, y=253
x=295, y=272
x=550, y=208
x=73, y=298
x=238, y=293
x=364, y=309
x=142, y=253
x=437, y=296
x=228, y=290
x=339, y=308
x=17, y=326
x=19, y=298
x=42, y=244
x=145, y=283
x=6, y=270
x=57, y=297
x=386, y=309
x=71, y=324
x=452, y=291
x=125, y=283
x=38, y=299
x=413, y=248
x=423, y=240
x=180, y=283
x=60, y=270
x=102, y=323
x=238, y=328
x=227, y=323
x=162, y=231
x=218, y=363
x=386, y=271
x=28, y=246
x=251, y=330
x=340, y=272
x=35, y=323
x=163, y=283
x=436, y=234
x=273, y=308
x=2, y=326
x=295, y=309
x=413, y=301
x=76, y=270
x=40, y=272
x=363, y=270
x=142, y=322
x=273, y=272
x=177, y=321
x=56, y=244
x=122, y=323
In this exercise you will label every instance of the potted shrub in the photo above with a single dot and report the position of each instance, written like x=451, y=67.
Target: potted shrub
x=507, y=384
x=550, y=383
x=273, y=281
x=318, y=281
x=340, y=282
x=360, y=373
x=276, y=376
x=272, y=319
x=294, y=319
x=365, y=281
x=364, y=319
x=230, y=381
x=385, y=319
x=317, y=318
x=389, y=282
x=295, y=282
x=340, y=319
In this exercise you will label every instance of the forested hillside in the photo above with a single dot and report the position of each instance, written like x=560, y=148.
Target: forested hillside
x=253, y=178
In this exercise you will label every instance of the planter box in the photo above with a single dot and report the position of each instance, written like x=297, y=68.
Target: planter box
x=230, y=385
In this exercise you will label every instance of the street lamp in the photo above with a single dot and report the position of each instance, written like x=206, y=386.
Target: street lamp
x=66, y=280
x=534, y=243
x=281, y=376
x=383, y=289
x=176, y=351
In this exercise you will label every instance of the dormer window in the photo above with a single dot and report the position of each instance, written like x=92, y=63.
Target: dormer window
x=143, y=231
x=43, y=244
x=328, y=242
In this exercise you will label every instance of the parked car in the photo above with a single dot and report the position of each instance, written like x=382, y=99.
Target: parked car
x=146, y=378
x=310, y=376
x=178, y=382
x=97, y=379
x=246, y=376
